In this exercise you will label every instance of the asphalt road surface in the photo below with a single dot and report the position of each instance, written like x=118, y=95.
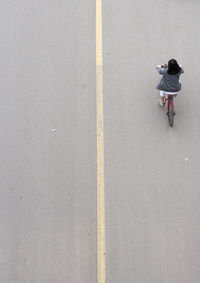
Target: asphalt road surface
x=48, y=168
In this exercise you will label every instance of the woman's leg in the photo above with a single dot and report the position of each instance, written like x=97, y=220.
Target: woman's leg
x=162, y=96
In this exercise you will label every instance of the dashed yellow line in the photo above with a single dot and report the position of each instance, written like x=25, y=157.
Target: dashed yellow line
x=101, y=270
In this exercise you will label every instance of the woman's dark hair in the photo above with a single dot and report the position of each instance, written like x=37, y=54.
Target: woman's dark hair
x=173, y=67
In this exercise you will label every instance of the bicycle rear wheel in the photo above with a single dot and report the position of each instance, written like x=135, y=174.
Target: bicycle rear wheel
x=171, y=113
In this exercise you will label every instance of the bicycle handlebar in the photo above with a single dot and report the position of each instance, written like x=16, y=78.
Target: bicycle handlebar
x=165, y=66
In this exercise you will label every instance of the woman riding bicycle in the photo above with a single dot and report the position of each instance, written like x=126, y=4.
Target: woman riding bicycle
x=170, y=82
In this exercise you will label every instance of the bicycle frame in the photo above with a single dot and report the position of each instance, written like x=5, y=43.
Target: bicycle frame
x=170, y=99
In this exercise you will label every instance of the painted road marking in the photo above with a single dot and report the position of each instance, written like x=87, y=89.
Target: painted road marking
x=101, y=270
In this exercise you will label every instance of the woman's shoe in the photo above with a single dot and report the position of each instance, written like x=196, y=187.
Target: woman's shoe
x=161, y=103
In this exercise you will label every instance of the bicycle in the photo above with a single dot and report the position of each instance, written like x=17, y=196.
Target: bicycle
x=170, y=109
x=170, y=105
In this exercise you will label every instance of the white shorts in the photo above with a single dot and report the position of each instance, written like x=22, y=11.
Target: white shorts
x=163, y=93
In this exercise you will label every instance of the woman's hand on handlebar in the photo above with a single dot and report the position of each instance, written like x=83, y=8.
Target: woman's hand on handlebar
x=161, y=66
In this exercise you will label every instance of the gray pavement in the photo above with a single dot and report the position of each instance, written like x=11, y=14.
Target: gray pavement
x=48, y=142
x=151, y=170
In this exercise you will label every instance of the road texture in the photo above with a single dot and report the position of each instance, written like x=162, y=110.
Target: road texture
x=48, y=142
x=48, y=160
x=151, y=170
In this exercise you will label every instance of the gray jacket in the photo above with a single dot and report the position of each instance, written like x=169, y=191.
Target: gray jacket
x=169, y=83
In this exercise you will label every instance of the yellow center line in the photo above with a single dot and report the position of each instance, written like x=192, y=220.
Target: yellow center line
x=100, y=148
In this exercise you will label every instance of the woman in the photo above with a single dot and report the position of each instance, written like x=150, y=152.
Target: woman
x=170, y=82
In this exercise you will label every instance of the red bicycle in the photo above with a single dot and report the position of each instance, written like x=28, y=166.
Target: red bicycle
x=170, y=109
x=170, y=105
